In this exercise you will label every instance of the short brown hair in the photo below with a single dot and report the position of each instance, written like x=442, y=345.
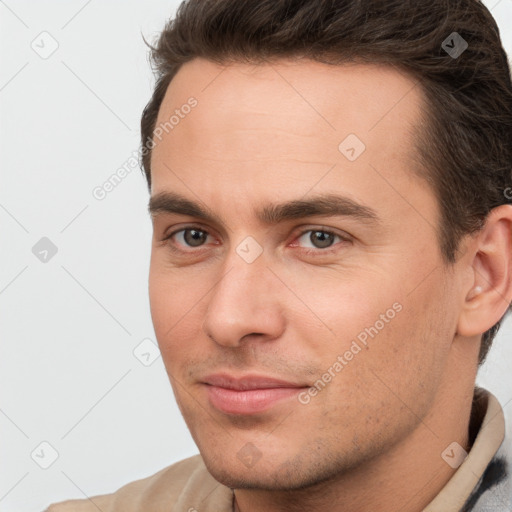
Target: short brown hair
x=465, y=144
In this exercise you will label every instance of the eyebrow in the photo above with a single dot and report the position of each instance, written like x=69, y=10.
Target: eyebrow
x=274, y=213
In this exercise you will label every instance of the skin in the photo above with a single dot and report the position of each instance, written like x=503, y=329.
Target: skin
x=372, y=438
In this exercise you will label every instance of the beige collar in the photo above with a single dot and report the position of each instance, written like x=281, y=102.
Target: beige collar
x=490, y=435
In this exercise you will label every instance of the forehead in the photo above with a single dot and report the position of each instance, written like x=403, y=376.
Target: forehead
x=282, y=127
x=354, y=94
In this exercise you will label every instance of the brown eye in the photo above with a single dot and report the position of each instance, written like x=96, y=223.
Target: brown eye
x=194, y=237
x=188, y=237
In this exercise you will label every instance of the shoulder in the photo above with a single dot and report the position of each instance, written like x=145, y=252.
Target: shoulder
x=183, y=482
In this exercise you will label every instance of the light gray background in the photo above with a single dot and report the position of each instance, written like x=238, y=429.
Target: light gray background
x=70, y=325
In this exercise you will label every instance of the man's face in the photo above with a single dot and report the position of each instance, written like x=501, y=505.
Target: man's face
x=358, y=302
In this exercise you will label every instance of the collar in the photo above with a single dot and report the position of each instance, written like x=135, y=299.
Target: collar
x=487, y=418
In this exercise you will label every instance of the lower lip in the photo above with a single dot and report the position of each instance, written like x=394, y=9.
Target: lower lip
x=231, y=401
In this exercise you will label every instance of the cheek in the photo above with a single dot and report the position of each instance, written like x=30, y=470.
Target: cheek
x=161, y=299
x=339, y=307
x=403, y=364
x=172, y=291
x=380, y=329
x=178, y=303
x=170, y=299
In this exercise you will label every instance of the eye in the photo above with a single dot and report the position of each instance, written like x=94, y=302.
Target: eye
x=319, y=239
x=189, y=237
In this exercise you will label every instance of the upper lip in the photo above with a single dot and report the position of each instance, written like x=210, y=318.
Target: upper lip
x=247, y=382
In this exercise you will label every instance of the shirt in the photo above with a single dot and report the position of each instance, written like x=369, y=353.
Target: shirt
x=482, y=483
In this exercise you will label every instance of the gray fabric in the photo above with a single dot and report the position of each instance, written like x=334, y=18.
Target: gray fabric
x=493, y=493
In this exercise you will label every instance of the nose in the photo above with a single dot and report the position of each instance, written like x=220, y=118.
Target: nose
x=245, y=304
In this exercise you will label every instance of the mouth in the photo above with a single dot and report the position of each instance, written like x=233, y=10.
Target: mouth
x=250, y=394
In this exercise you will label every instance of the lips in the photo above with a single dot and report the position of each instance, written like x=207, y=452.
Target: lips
x=250, y=394
x=248, y=382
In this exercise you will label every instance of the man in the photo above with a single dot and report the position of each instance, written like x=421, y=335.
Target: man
x=331, y=255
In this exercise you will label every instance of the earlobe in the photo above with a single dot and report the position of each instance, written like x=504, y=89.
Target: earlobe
x=490, y=294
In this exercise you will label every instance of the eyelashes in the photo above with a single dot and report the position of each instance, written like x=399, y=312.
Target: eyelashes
x=196, y=237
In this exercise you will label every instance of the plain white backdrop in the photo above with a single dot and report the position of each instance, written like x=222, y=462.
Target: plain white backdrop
x=86, y=405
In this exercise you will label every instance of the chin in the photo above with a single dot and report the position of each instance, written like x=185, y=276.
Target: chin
x=290, y=475
x=250, y=479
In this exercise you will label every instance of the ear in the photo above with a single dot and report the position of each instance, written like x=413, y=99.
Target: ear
x=488, y=299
